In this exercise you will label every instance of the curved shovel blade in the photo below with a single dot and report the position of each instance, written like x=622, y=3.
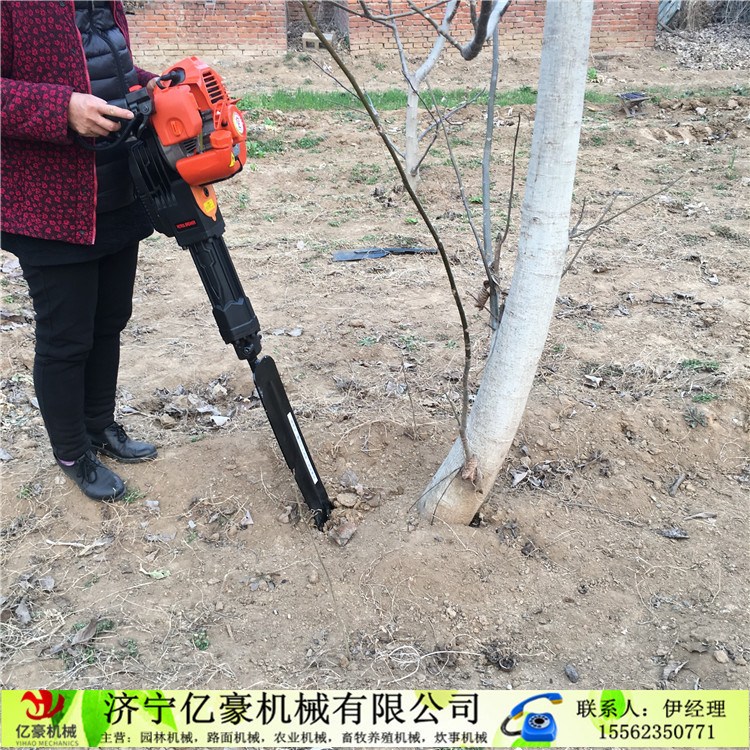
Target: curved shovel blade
x=289, y=436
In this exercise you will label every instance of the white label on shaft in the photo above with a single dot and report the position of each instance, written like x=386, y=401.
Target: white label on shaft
x=301, y=446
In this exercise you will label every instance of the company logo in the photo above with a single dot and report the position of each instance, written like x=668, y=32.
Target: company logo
x=42, y=704
x=186, y=224
x=239, y=123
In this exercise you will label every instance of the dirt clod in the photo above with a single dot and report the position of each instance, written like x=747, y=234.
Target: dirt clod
x=721, y=656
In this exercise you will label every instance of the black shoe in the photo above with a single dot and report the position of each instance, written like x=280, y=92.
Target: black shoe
x=115, y=443
x=93, y=478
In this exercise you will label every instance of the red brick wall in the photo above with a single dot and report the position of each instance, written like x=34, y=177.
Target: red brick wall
x=617, y=25
x=170, y=29
x=167, y=29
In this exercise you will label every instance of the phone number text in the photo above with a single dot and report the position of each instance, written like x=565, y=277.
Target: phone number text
x=656, y=731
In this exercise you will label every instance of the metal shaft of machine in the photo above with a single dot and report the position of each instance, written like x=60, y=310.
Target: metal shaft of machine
x=232, y=310
x=239, y=326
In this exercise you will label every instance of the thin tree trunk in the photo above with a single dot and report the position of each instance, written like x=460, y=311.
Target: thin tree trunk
x=411, y=145
x=518, y=344
x=487, y=244
x=414, y=82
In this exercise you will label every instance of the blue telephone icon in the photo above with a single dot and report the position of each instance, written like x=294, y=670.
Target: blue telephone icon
x=536, y=727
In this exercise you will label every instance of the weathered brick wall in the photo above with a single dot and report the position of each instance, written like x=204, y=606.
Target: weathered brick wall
x=623, y=25
x=169, y=29
x=617, y=25
x=416, y=34
x=166, y=29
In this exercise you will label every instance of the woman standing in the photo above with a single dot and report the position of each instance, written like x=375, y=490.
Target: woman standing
x=71, y=216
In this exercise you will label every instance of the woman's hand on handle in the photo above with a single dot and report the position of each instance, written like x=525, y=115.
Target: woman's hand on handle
x=88, y=115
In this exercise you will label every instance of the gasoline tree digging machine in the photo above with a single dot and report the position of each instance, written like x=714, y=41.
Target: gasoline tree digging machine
x=189, y=136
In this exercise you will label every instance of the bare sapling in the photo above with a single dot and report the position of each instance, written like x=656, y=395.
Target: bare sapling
x=459, y=487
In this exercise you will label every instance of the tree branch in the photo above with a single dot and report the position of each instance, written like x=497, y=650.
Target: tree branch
x=486, y=165
x=385, y=20
x=601, y=221
x=442, y=32
x=450, y=114
x=416, y=167
x=500, y=241
x=467, y=360
x=485, y=23
x=322, y=69
x=437, y=47
x=468, y=454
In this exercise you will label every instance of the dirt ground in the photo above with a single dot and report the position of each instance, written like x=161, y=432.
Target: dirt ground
x=613, y=551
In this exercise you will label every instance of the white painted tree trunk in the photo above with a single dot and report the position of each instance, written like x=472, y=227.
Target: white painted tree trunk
x=518, y=343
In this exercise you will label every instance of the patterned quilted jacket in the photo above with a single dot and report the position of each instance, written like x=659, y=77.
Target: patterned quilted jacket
x=48, y=181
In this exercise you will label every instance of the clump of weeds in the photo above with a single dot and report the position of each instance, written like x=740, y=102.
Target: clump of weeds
x=695, y=417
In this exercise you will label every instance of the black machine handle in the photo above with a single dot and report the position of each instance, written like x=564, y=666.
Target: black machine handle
x=139, y=102
x=173, y=78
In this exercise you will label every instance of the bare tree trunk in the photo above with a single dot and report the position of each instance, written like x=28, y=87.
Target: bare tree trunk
x=487, y=244
x=414, y=81
x=411, y=145
x=518, y=344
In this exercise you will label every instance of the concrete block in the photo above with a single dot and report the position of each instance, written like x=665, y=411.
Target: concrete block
x=310, y=41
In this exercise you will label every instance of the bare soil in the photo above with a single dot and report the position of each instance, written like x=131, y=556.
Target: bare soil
x=615, y=543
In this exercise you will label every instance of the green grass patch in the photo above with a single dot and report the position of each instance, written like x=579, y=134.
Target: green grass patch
x=133, y=495
x=394, y=99
x=704, y=398
x=727, y=233
x=257, y=149
x=303, y=100
x=671, y=92
x=27, y=491
x=105, y=626
x=130, y=648
x=600, y=97
x=700, y=365
x=200, y=640
x=409, y=341
x=388, y=100
x=367, y=174
x=693, y=239
x=308, y=141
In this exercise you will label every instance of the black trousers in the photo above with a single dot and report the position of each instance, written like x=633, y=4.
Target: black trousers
x=81, y=309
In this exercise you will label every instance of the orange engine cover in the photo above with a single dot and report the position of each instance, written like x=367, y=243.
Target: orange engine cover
x=194, y=113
